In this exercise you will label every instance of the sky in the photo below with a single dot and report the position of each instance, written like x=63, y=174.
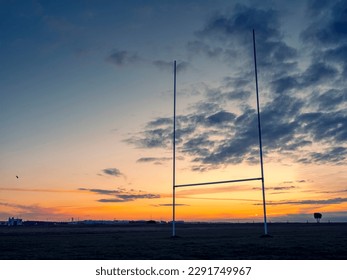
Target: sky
x=87, y=104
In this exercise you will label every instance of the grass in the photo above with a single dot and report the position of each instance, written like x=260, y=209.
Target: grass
x=197, y=241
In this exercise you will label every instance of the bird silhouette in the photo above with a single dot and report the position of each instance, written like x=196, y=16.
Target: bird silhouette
x=17, y=177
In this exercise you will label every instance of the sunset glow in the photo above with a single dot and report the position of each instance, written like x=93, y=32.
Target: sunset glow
x=86, y=110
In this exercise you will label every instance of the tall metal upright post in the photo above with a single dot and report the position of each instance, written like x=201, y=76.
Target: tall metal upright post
x=174, y=160
x=259, y=133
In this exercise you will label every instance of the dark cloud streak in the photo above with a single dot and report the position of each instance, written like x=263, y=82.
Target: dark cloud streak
x=112, y=171
x=120, y=195
x=337, y=200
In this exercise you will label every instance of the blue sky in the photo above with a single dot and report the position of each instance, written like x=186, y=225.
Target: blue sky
x=86, y=86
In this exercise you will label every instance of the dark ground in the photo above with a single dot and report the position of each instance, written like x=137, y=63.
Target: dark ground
x=197, y=241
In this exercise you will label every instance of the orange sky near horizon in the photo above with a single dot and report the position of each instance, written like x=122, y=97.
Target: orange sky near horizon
x=224, y=202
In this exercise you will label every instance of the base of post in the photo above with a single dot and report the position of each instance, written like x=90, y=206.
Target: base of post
x=266, y=236
x=175, y=236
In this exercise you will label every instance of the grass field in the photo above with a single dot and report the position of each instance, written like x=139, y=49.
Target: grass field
x=196, y=241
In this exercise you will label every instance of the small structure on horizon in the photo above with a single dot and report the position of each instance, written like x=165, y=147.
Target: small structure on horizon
x=317, y=216
x=14, y=222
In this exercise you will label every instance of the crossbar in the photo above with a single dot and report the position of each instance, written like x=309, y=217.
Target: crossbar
x=218, y=182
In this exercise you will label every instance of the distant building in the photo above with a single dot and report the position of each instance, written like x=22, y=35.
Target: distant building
x=14, y=222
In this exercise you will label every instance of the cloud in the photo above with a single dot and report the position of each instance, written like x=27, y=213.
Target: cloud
x=335, y=155
x=199, y=47
x=297, y=181
x=32, y=211
x=121, y=194
x=151, y=138
x=331, y=100
x=122, y=58
x=238, y=95
x=327, y=33
x=278, y=133
x=160, y=122
x=155, y=160
x=242, y=21
x=168, y=66
x=129, y=197
x=213, y=136
x=102, y=191
x=112, y=171
x=303, y=112
x=329, y=26
x=301, y=181
x=239, y=81
x=220, y=117
x=316, y=7
x=325, y=126
x=236, y=29
x=338, y=56
x=285, y=83
x=338, y=191
x=318, y=73
x=117, y=200
x=330, y=201
x=19, y=206
x=280, y=188
x=237, y=134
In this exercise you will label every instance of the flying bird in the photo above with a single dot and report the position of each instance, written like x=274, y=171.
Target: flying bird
x=17, y=177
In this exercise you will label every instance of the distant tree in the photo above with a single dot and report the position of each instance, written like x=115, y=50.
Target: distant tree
x=317, y=216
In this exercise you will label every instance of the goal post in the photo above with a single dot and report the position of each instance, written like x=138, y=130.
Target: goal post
x=174, y=186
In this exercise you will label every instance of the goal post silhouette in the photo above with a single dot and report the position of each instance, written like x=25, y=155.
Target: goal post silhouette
x=174, y=185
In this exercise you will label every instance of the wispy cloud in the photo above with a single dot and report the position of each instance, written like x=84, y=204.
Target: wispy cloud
x=280, y=188
x=103, y=191
x=155, y=160
x=337, y=200
x=32, y=211
x=121, y=194
x=337, y=191
x=122, y=57
x=169, y=205
x=199, y=47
